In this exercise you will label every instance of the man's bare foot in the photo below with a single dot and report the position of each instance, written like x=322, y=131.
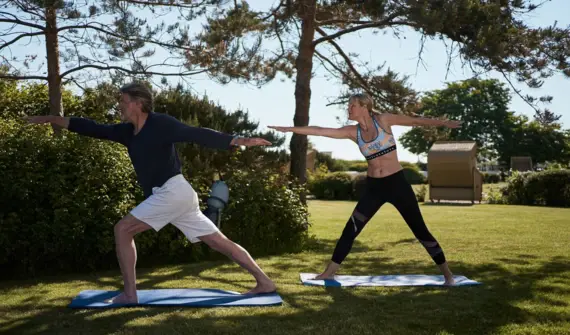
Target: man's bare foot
x=260, y=288
x=123, y=299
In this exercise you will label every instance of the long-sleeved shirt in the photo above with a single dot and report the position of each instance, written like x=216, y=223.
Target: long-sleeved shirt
x=152, y=150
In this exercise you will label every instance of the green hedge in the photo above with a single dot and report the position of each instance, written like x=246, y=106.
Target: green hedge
x=489, y=178
x=545, y=188
x=358, y=166
x=265, y=213
x=341, y=186
x=413, y=174
x=359, y=185
x=62, y=195
x=332, y=186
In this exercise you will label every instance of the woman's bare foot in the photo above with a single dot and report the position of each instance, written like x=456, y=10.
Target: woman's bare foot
x=260, y=288
x=449, y=281
x=329, y=272
x=123, y=299
x=323, y=276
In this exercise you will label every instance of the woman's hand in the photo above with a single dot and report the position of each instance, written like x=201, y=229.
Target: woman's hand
x=281, y=129
x=452, y=123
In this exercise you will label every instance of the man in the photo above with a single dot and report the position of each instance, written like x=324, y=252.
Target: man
x=169, y=198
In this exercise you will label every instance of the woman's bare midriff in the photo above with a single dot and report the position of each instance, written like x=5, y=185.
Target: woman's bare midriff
x=384, y=166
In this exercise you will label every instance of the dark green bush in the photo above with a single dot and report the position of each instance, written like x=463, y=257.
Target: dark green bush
x=62, y=195
x=358, y=166
x=413, y=174
x=489, y=178
x=340, y=186
x=333, y=186
x=359, y=185
x=265, y=214
x=545, y=188
x=421, y=193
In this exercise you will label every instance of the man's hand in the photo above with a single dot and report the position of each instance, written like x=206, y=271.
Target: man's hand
x=57, y=122
x=39, y=119
x=249, y=142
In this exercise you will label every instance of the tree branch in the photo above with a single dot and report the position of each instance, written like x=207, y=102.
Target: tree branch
x=365, y=86
x=165, y=4
x=363, y=82
x=27, y=7
x=333, y=21
x=517, y=91
x=385, y=22
x=20, y=22
x=131, y=72
x=111, y=33
x=274, y=11
x=7, y=44
x=12, y=77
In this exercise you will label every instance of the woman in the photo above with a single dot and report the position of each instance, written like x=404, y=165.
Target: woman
x=385, y=181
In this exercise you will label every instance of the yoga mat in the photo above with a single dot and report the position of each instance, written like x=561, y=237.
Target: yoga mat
x=178, y=298
x=387, y=280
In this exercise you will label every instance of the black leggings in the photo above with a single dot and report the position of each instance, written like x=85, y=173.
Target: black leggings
x=396, y=190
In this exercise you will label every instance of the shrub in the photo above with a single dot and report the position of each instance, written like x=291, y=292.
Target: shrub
x=545, y=188
x=489, y=178
x=359, y=185
x=331, y=163
x=495, y=197
x=320, y=171
x=421, y=194
x=62, y=195
x=265, y=213
x=413, y=174
x=358, y=166
x=333, y=186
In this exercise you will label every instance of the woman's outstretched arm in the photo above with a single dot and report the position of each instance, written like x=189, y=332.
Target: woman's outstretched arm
x=404, y=120
x=339, y=133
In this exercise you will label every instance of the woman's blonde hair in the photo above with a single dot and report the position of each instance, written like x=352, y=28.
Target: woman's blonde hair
x=364, y=100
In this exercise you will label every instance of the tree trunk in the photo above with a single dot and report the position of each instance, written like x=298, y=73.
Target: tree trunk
x=52, y=53
x=304, y=68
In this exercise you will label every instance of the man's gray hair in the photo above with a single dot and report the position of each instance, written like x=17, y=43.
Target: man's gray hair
x=140, y=92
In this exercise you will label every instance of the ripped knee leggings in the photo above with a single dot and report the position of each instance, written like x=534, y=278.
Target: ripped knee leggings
x=396, y=190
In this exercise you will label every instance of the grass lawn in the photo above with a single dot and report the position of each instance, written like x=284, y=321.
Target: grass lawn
x=521, y=254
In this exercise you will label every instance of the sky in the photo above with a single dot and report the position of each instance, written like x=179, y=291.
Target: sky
x=274, y=103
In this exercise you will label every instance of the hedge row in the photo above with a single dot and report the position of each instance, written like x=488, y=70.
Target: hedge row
x=62, y=195
x=545, y=188
x=342, y=186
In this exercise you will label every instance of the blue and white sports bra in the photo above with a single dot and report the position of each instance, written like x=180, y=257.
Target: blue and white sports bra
x=379, y=146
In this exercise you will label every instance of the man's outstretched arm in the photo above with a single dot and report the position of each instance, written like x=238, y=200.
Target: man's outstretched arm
x=85, y=126
x=60, y=121
x=176, y=131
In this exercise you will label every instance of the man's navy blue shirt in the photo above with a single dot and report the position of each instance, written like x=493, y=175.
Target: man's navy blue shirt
x=152, y=149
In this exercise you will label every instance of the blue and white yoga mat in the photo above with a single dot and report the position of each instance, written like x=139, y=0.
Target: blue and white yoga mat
x=386, y=280
x=177, y=298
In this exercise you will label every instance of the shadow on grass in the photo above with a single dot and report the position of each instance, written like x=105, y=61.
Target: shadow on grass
x=453, y=204
x=327, y=245
x=480, y=309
